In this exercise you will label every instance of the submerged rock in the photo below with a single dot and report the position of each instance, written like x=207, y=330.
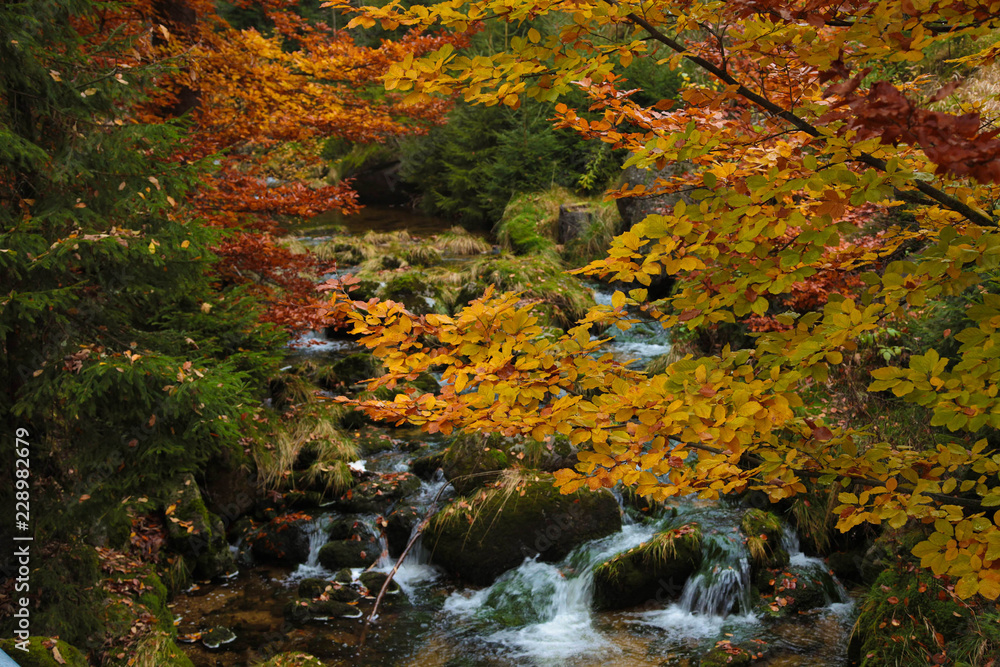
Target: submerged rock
x=656, y=569
x=300, y=612
x=218, y=636
x=480, y=538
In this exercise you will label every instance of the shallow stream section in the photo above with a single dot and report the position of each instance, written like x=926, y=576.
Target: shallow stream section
x=536, y=614
x=539, y=613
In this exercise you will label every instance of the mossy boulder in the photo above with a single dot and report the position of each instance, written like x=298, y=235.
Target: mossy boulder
x=560, y=299
x=356, y=368
x=374, y=581
x=300, y=612
x=315, y=587
x=480, y=538
x=283, y=540
x=846, y=565
x=377, y=493
x=218, y=637
x=196, y=533
x=762, y=532
x=796, y=588
x=350, y=528
x=348, y=553
x=230, y=489
x=643, y=508
x=415, y=290
x=656, y=569
x=481, y=454
x=44, y=652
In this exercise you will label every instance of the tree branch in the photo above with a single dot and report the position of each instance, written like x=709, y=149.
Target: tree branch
x=933, y=193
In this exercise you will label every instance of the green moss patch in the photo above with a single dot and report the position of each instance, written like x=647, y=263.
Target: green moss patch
x=652, y=570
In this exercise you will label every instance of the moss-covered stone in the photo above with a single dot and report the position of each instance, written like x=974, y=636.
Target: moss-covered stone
x=846, y=565
x=475, y=459
x=43, y=652
x=763, y=531
x=217, y=637
x=157, y=649
x=415, y=290
x=312, y=587
x=479, y=538
x=559, y=299
x=196, y=533
x=794, y=589
x=376, y=494
x=643, y=508
x=300, y=612
x=726, y=655
x=348, y=553
x=293, y=660
x=656, y=569
x=356, y=368
x=374, y=581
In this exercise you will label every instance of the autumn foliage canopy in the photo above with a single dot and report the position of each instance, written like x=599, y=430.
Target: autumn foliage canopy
x=795, y=130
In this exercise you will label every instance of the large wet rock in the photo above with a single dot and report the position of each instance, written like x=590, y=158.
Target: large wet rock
x=799, y=587
x=481, y=537
x=348, y=553
x=196, y=533
x=656, y=569
x=283, y=540
x=476, y=459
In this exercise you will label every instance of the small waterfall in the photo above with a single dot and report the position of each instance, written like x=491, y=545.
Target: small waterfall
x=833, y=590
x=722, y=584
x=541, y=611
x=317, y=530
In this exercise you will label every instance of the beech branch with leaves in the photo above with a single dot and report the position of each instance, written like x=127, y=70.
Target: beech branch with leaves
x=789, y=137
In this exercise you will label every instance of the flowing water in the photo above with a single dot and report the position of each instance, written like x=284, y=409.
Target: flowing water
x=536, y=614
